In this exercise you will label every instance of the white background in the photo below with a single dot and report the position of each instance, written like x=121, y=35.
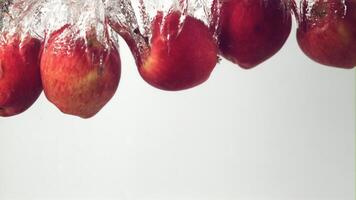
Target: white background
x=284, y=130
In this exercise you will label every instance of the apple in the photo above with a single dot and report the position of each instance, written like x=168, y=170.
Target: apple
x=79, y=73
x=251, y=31
x=182, y=53
x=327, y=32
x=20, y=79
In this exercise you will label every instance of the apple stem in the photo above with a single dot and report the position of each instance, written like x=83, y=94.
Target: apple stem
x=137, y=43
x=126, y=25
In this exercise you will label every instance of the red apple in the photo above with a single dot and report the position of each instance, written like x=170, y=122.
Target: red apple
x=79, y=74
x=20, y=79
x=180, y=56
x=251, y=31
x=327, y=31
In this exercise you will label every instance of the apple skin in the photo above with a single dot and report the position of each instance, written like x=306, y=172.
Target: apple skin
x=20, y=79
x=79, y=75
x=251, y=31
x=327, y=32
x=181, y=56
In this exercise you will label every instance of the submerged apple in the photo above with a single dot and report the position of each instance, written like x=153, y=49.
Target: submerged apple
x=79, y=74
x=182, y=53
x=20, y=79
x=251, y=31
x=327, y=31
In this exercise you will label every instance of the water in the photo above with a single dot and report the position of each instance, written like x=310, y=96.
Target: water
x=130, y=18
x=132, y=15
